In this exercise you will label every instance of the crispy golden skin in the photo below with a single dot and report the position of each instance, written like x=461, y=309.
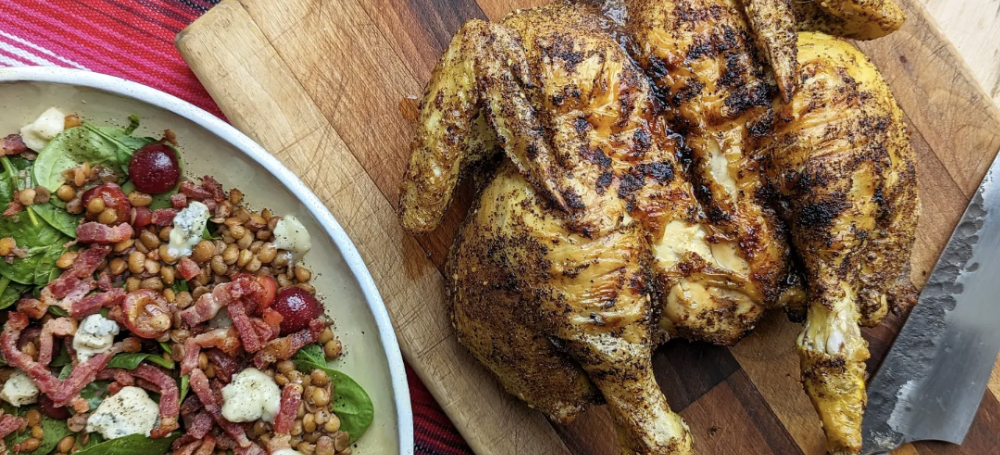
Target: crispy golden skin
x=855, y=19
x=700, y=56
x=843, y=168
x=550, y=278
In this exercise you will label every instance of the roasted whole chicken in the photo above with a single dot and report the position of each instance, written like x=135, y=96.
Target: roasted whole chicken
x=644, y=197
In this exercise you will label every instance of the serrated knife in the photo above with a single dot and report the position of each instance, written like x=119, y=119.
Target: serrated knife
x=931, y=383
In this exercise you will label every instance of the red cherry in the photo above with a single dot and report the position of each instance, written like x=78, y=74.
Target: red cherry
x=297, y=307
x=113, y=197
x=154, y=168
x=47, y=407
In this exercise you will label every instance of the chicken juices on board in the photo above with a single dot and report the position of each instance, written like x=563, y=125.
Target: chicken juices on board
x=551, y=271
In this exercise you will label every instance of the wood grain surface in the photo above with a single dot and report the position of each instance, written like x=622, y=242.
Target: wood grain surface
x=328, y=87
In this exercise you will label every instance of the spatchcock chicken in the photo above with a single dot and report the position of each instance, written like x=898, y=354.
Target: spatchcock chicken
x=637, y=204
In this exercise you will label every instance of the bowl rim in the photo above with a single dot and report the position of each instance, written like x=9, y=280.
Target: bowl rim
x=229, y=133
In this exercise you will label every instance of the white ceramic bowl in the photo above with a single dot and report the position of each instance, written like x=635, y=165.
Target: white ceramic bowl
x=212, y=147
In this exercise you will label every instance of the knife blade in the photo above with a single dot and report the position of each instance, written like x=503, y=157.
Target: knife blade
x=931, y=383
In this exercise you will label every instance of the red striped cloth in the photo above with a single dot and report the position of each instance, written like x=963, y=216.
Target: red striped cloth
x=134, y=40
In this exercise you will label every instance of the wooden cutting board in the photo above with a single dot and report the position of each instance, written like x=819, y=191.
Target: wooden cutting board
x=326, y=85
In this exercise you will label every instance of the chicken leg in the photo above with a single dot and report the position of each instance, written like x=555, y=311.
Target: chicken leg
x=842, y=165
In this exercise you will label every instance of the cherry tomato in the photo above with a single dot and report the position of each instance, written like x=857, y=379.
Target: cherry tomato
x=113, y=197
x=145, y=314
x=270, y=290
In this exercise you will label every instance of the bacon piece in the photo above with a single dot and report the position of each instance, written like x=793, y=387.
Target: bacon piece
x=190, y=360
x=64, y=293
x=207, y=446
x=179, y=201
x=163, y=217
x=185, y=446
x=88, y=260
x=118, y=375
x=195, y=192
x=92, y=304
x=104, y=281
x=200, y=386
x=284, y=348
x=43, y=378
x=226, y=339
x=169, y=399
x=13, y=208
x=209, y=304
x=83, y=374
x=291, y=396
x=12, y=145
x=252, y=449
x=188, y=269
x=214, y=187
x=141, y=217
x=94, y=232
x=226, y=365
x=191, y=405
x=10, y=424
x=33, y=308
x=248, y=333
x=62, y=327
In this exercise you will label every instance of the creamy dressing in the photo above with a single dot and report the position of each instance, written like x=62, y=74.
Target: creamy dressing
x=287, y=452
x=47, y=126
x=130, y=411
x=251, y=396
x=19, y=389
x=188, y=226
x=95, y=336
x=290, y=234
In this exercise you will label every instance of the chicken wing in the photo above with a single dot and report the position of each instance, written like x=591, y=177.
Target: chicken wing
x=855, y=19
x=844, y=171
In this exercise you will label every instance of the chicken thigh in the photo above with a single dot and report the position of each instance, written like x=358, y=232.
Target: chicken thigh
x=844, y=173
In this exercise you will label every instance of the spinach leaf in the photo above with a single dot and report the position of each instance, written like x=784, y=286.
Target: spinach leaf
x=65, y=372
x=180, y=286
x=93, y=440
x=72, y=148
x=58, y=311
x=350, y=401
x=133, y=123
x=54, y=431
x=131, y=360
x=131, y=445
x=166, y=348
x=185, y=387
x=46, y=269
x=94, y=393
x=38, y=239
x=10, y=292
x=58, y=218
x=62, y=359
